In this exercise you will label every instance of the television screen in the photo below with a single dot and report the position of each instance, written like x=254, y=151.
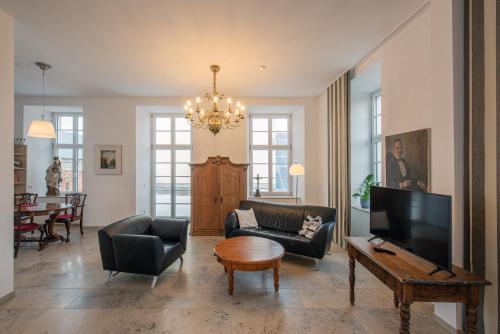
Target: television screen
x=416, y=221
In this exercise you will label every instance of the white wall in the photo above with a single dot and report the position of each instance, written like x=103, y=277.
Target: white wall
x=115, y=121
x=320, y=155
x=143, y=162
x=7, y=152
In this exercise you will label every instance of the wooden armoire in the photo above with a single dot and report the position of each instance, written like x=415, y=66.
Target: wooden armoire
x=217, y=187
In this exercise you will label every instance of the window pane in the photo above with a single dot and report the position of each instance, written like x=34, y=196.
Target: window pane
x=182, y=124
x=80, y=137
x=183, y=196
x=163, y=210
x=183, y=183
x=260, y=124
x=163, y=138
x=183, y=210
x=183, y=137
x=378, y=145
x=163, y=195
x=64, y=137
x=260, y=169
x=65, y=122
x=280, y=138
x=163, y=123
x=379, y=173
x=183, y=156
x=80, y=123
x=280, y=124
x=379, y=104
x=280, y=157
x=163, y=182
x=163, y=156
x=260, y=138
x=182, y=170
x=260, y=156
x=378, y=126
x=163, y=190
x=66, y=158
x=280, y=178
x=163, y=169
x=80, y=170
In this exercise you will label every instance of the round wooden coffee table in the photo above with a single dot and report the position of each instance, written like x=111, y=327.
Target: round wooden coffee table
x=249, y=254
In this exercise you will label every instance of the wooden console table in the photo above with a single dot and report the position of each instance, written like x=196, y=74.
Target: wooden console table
x=408, y=276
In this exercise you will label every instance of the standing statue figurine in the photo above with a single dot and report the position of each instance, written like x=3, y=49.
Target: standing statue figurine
x=257, y=191
x=53, y=177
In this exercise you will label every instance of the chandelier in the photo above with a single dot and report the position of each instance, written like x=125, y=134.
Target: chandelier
x=214, y=114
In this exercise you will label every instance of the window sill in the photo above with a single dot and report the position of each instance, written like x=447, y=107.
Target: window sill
x=358, y=207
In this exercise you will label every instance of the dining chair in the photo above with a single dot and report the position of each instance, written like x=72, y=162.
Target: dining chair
x=77, y=200
x=21, y=226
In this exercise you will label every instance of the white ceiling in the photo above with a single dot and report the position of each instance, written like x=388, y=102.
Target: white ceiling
x=165, y=48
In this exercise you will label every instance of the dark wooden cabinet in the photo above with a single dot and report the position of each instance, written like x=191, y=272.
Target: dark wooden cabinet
x=218, y=186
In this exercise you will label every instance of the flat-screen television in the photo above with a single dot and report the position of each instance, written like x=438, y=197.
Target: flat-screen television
x=416, y=221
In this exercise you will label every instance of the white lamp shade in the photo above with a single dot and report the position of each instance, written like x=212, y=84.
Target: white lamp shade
x=41, y=129
x=296, y=169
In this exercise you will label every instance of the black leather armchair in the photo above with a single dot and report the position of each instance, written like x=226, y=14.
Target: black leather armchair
x=282, y=222
x=141, y=245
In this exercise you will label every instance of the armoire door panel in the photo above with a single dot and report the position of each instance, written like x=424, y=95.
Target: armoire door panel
x=205, y=199
x=231, y=184
x=208, y=203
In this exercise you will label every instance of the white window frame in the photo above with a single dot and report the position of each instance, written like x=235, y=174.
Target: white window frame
x=172, y=147
x=375, y=138
x=75, y=146
x=270, y=147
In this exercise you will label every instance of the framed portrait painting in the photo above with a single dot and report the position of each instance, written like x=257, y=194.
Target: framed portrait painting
x=108, y=159
x=408, y=160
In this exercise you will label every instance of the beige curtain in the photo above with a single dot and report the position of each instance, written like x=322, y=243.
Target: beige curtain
x=339, y=193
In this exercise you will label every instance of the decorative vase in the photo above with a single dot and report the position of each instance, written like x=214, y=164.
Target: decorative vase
x=365, y=203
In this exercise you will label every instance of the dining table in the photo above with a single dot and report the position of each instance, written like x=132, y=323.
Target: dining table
x=52, y=210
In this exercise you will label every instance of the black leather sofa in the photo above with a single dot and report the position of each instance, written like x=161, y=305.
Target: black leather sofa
x=141, y=245
x=281, y=223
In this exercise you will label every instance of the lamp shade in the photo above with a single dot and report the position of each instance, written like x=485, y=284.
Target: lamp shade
x=41, y=129
x=296, y=169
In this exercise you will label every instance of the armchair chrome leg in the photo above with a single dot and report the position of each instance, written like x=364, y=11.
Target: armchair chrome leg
x=110, y=272
x=154, y=282
x=182, y=260
x=317, y=264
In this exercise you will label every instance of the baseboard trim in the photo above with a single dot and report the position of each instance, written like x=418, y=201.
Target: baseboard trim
x=449, y=328
x=7, y=297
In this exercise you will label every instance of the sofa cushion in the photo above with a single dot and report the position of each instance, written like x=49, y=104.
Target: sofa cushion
x=275, y=216
x=246, y=218
x=291, y=241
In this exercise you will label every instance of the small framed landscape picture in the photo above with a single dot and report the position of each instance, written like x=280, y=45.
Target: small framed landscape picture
x=108, y=159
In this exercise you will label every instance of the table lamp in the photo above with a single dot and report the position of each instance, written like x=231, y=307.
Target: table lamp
x=296, y=170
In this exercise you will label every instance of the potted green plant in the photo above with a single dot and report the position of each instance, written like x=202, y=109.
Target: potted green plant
x=364, y=192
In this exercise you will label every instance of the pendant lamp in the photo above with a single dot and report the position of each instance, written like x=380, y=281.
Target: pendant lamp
x=42, y=128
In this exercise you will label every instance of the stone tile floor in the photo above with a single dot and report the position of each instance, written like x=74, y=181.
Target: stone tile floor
x=63, y=289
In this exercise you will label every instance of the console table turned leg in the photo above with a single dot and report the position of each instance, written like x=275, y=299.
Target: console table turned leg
x=352, y=279
x=396, y=300
x=404, y=311
x=471, y=319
